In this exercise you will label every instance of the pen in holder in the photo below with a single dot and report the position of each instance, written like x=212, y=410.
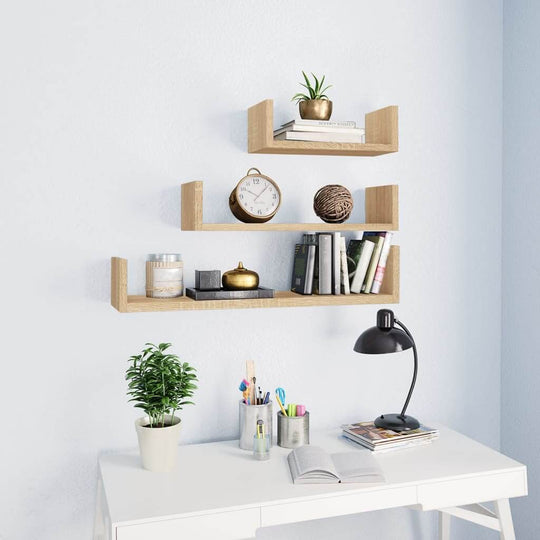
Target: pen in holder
x=293, y=431
x=248, y=416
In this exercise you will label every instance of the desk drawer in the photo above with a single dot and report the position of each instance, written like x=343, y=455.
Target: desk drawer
x=237, y=525
x=340, y=505
x=472, y=490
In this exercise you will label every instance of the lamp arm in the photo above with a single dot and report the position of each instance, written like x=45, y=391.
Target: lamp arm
x=405, y=329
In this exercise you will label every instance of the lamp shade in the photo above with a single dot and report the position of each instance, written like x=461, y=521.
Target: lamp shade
x=382, y=341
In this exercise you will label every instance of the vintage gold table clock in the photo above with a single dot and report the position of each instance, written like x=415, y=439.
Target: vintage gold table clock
x=255, y=199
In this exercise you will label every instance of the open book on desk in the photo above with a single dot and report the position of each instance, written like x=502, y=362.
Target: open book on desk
x=312, y=465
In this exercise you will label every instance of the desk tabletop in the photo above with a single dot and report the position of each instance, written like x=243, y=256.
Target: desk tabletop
x=219, y=476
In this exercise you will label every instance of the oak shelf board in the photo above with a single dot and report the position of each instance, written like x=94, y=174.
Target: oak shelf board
x=125, y=303
x=282, y=299
x=381, y=135
x=319, y=227
x=381, y=210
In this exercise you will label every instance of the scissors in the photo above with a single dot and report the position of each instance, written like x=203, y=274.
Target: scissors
x=280, y=396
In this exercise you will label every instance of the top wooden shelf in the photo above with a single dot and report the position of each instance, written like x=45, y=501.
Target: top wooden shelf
x=381, y=135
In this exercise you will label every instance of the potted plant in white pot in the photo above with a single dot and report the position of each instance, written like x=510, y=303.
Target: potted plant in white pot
x=316, y=105
x=159, y=384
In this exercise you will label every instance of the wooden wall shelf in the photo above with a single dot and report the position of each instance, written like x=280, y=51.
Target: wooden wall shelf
x=381, y=135
x=381, y=210
x=132, y=304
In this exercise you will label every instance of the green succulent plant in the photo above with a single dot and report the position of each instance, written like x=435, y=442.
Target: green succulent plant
x=316, y=91
x=159, y=383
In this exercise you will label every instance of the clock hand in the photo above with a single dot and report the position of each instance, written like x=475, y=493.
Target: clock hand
x=261, y=192
x=252, y=193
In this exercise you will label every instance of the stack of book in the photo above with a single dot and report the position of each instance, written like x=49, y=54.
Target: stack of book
x=383, y=440
x=324, y=265
x=320, y=131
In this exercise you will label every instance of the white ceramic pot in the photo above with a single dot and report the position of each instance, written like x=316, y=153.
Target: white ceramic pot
x=158, y=446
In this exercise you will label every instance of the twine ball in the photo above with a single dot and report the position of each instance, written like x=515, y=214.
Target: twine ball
x=333, y=203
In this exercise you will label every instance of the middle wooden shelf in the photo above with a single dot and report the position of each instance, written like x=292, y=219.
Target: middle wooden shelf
x=381, y=211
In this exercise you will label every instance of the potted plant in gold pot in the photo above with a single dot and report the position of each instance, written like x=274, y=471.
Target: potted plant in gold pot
x=159, y=384
x=316, y=105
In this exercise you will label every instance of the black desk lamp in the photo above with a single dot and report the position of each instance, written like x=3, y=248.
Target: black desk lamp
x=386, y=338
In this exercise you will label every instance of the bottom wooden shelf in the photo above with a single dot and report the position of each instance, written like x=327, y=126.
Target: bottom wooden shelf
x=133, y=304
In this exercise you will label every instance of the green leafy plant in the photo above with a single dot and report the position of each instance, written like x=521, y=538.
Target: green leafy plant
x=159, y=383
x=316, y=91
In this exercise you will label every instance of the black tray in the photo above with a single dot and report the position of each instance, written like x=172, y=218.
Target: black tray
x=222, y=294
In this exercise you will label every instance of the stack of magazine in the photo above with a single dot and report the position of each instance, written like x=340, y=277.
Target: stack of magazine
x=320, y=131
x=383, y=440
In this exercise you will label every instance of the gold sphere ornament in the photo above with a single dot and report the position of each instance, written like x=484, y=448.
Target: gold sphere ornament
x=333, y=203
x=240, y=279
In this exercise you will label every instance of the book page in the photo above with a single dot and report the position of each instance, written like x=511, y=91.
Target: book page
x=312, y=459
x=357, y=467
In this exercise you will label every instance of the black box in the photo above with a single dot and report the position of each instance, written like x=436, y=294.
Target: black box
x=208, y=280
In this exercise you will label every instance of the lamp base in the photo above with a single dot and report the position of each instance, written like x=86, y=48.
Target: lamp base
x=397, y=422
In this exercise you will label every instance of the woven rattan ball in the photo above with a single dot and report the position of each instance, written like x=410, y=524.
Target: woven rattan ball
x=333, y=203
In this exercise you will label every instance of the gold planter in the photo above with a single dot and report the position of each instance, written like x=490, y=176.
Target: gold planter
x=316, y=109
x=240, y=279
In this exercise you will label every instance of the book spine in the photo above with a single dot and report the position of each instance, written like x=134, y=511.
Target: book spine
x=381, y=267
x=298, y=282
x=320, y=137
x=322, y=123
x=344, y=267
x=308, y=287
x=362, y=266
x=320, y=129
x=336, y=262
x=325, y=264
x=370, y=274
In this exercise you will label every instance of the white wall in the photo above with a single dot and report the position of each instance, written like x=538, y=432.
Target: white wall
x=109, y=106
x=520, y=403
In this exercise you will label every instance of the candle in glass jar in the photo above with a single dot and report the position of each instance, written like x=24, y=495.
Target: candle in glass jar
x=164, y=275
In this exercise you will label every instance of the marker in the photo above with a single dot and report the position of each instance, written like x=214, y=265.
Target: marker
x=281, y=406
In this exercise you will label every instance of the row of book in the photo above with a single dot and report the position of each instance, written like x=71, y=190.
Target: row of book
x=320, y=131
x=324, y=265
x=380, y=440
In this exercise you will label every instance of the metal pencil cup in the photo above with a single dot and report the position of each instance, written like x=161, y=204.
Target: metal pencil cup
x=292, y=431
x=248, y=415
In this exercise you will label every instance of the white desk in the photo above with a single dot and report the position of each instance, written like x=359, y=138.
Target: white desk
x=209, y=496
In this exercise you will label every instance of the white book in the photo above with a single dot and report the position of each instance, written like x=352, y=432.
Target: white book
x=325, y=263
x=336, y=262
x=320, y=129
x=378, y=242
x=344, y=267
x=312, y=465
x=310, y=268
x=321, y=137
x=321, y=123
x=361, y=267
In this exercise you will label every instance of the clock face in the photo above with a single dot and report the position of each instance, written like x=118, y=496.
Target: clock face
x=258, y=196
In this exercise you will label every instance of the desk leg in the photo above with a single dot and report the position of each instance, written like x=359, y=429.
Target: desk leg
x=502, y=510
x=444, y=526
x=102, y=529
